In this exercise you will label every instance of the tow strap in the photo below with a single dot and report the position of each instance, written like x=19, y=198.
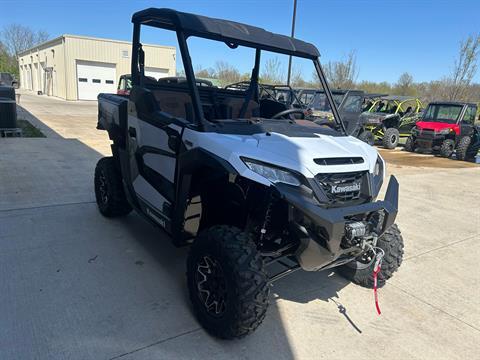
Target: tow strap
x=376, y=271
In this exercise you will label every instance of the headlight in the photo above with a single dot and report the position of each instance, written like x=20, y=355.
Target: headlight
x=445, y=131
x=272, y=173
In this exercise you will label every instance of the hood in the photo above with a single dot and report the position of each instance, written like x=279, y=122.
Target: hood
x=297, y=153
x=436, y=126
x=303, y=152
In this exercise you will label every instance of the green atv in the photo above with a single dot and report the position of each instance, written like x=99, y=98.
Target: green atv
x=392, y=117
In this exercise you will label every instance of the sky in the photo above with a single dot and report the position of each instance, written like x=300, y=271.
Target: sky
x=390, y=37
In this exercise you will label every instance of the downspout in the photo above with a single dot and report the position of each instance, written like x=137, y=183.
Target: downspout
x=65, y=66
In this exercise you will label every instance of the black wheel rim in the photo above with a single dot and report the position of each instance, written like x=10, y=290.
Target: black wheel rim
x=211, y=286
x=102, y=187
x=393, y=139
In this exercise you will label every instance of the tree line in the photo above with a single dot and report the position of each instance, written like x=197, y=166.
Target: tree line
x=456, y=86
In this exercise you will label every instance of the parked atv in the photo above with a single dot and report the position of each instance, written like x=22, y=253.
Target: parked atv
x=392, y=117
x=446, y=127
x=349, y=103
x=279, y=97
x=245, y=192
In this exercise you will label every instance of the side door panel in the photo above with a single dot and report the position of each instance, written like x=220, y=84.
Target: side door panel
x=468, y=121
x=152, y=165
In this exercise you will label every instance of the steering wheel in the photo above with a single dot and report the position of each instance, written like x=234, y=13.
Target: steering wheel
x=288, y=112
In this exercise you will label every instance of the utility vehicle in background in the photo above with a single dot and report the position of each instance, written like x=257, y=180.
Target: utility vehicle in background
x=245, y=192
x=349, y=104
x=446, y=127
x=125, y=82
x=277, y=96
x=392, y=117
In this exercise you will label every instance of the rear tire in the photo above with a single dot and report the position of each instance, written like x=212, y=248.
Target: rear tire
x=464, y=150
x=367, y=136
x=227, y=283
x=410, y=144
x=362, y=274
x=390, y=138
x=447, y=148
x=109, y=193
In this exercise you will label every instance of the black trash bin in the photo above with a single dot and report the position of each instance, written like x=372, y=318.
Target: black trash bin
x=7, y=92
x=8, y=108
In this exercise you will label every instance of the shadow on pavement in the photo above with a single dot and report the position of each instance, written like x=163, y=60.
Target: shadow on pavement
x=123, y=274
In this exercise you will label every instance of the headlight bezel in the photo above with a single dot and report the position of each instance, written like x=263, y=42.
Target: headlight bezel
x=274, y=173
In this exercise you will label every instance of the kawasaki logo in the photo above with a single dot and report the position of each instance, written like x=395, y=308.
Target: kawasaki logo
x=336, y=189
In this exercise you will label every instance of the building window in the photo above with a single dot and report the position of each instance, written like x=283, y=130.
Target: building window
x=108, y=81
x=125, y=53
x=82, y=79
x=96, y=81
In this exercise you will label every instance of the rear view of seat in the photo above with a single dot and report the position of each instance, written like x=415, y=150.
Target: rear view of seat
x=175, y=103
x=231, y=108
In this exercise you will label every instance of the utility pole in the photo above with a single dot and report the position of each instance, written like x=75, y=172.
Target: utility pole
x=293, y=34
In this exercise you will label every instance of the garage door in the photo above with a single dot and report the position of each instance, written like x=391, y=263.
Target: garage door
x=94, y=78
x=156, y=73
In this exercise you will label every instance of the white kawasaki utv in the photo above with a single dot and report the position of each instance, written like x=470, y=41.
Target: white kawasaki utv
x=244, y=191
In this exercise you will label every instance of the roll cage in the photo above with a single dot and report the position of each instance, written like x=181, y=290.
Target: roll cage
x=271, y=91
x=400, y=104
x=233, y=34
x=463, y=109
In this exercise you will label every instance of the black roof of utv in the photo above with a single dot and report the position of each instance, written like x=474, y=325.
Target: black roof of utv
x=227, y=31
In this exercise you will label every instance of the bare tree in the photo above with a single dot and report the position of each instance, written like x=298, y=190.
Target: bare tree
x=226, y=73
x=201, y=72
x=18, y=38
x=344, y=73
x=272, y=72
x=404, y=85
x=465, y=68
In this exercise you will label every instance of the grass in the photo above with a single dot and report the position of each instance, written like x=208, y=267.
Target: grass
x=28, y=130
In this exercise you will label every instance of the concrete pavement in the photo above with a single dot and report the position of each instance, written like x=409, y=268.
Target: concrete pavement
x=74, y=285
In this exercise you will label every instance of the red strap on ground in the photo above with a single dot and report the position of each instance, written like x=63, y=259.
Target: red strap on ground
x=376, y=270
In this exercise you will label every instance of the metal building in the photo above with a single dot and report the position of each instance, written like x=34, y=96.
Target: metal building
x=79, y=68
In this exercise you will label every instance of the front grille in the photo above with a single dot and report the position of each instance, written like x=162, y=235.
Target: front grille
x=341, y=187
x=339, y=161
x=426, y=133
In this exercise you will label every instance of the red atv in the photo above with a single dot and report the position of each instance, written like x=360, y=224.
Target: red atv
x=443, y=127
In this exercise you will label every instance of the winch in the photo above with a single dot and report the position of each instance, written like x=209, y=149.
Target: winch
x=355, y=230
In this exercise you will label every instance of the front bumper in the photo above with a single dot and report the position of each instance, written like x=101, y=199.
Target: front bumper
x=427, y=139
x=319, y=253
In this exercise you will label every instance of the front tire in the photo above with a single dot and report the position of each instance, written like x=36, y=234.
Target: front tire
x=447, y=148
x=362, y=273
x=390, y=138
x=227, y=282
x=109, y=193
x=465, y=151
x=410, y=144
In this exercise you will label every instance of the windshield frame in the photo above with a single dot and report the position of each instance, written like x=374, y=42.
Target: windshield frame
x=447, y=121
x=138, y=59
